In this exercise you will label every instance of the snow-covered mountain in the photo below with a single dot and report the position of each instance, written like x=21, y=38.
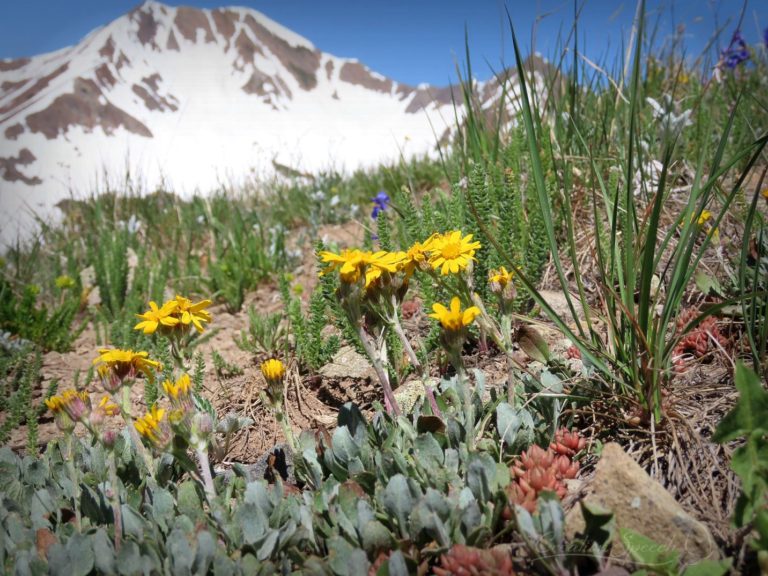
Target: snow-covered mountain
x=194, y=99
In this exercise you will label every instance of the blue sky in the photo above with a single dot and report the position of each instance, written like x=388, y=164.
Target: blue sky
x=411, y=41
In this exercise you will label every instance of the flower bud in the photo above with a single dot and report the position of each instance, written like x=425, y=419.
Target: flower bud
x=108, y=439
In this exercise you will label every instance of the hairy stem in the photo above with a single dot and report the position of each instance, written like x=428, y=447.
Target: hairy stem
x=389, y=396
x=205, y=471
x=115, y=497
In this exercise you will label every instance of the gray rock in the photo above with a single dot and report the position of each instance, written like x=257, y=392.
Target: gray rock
x=643, y=505
x=348, y=363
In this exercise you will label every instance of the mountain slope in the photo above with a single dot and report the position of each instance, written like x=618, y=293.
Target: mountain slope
x=195, y=99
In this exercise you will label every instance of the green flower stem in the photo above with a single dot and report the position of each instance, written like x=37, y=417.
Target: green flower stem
x=70, y=460
x=205, y=471
x=389, y=395
x=116, y=510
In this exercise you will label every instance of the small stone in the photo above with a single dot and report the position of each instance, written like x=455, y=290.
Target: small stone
x=641, y=504
x=411, y=392
x=348, y=363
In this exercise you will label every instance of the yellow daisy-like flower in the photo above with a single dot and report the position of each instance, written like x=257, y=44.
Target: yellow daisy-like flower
x=150, y=425
x=155, y=317
x=417, y=256
x=764, y=193
x=273, y=370
x=452, y=253
x=351, y=264
x=189, y=313
x=124, y=363
x=454, y=319
x=500, y=277
x=179, y=390
x=382, y=262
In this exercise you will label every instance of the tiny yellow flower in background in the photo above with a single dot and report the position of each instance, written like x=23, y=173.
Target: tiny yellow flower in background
x=64, y=282
x=189, y=313
x=179, y=390
x=124, y=363
x=454, y=319
x=108, y=407
x=155, y=317
x=103, y=409
x=704, y=217
x=452, y=253
x=764, y=194
x=500, y=277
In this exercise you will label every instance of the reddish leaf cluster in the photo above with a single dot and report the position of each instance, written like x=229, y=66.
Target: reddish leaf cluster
x=573, y=353
x=697, y=342
x=538, y=470
x=463, y=560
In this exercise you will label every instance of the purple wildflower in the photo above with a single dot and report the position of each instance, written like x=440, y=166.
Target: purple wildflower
x=736, y=53
x=380, y=202
x=765, y=38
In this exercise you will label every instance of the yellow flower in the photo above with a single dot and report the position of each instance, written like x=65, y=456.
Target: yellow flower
x=189, y=313
x=122, y=363
x=704, y=217
x=764, y=193
x=353, y=263
x=452, y=253
x=350, y=263
x=273, y=369
x=179, y=390
x=104, y=409
x=382, y=262
x=155, y=317
x=500, y=277
x=54, y=404
x=107, y=407
x=57, y=405
x=454, y=319
x=150, y=426
x=417, y=256
x=76, y=405
x=64, y=282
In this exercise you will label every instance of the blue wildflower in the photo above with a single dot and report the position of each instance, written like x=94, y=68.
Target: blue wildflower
x=736, y=53
x=380, y=202
x=765, y=38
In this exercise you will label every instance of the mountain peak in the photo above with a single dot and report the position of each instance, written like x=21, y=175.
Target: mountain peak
x=192, y=98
